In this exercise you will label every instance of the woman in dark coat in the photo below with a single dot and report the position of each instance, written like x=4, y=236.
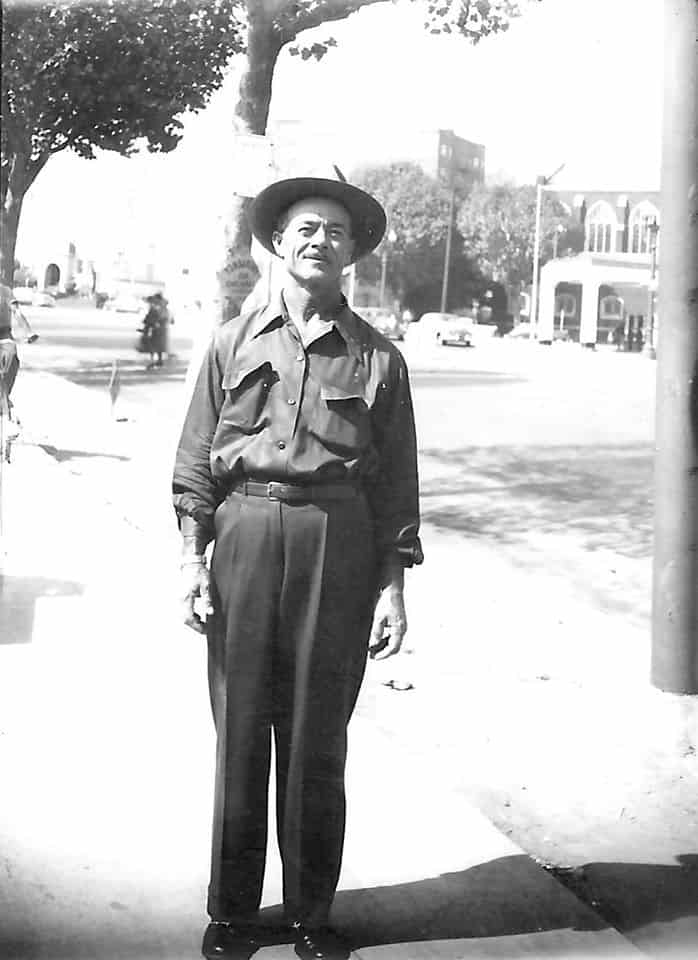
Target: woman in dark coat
x=154, y=331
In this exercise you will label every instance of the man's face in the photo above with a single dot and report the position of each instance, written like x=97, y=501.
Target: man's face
x=315, y=241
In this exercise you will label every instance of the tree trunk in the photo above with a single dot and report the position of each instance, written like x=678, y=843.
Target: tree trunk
x=19, y=174
x=10, y=210
x=263, y=46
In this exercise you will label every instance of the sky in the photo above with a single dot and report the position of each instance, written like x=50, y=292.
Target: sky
x=573, y=81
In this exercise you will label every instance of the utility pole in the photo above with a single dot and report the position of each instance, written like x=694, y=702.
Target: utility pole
x=541, y=182
x=675, y=568
x=449, y=234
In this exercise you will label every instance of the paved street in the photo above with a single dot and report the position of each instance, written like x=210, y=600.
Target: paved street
x=534, y=449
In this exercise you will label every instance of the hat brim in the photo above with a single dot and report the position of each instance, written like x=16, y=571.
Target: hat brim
x=368, y=218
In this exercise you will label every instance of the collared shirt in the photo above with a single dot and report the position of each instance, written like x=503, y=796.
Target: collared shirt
x=335, y=409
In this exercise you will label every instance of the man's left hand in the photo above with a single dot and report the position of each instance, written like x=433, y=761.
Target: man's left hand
x=389, y=623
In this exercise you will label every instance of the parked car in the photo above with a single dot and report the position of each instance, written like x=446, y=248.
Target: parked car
x=448, y=328
x=385, y=321
x=125, y=303
x=42, y=298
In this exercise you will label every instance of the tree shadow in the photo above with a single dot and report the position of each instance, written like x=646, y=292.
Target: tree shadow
x=131, y=373
x=632, y=895
x=18, y=596
x=62, y=455
x=603, y=495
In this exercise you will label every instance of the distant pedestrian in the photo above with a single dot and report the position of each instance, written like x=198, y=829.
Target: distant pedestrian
x=618, y=335
x=155, y=330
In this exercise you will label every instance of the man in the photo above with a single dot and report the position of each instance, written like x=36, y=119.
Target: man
x=298, y=459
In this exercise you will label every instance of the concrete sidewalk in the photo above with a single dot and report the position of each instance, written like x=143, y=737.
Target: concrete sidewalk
x=106, y=742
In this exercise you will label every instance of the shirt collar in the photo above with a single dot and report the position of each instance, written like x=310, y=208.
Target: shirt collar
x=343, y=321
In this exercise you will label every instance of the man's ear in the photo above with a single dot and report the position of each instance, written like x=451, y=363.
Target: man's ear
x=276, y=239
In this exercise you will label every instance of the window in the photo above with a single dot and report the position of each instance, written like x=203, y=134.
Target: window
x=601, y=225
x=611, y=308
x=642, y=220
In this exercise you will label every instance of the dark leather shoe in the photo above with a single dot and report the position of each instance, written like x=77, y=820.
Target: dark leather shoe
x=224, y=941
x=319, y=943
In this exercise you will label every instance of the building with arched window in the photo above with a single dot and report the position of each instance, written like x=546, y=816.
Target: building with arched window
x=606, y=293
x=600, y=228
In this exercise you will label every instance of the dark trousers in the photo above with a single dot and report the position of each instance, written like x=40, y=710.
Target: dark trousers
x=294, y=589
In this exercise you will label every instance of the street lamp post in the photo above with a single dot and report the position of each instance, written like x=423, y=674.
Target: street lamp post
x=541, y=182
x=649, y=348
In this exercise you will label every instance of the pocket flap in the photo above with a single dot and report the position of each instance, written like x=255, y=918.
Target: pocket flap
x=333, y=391
x=233, y=377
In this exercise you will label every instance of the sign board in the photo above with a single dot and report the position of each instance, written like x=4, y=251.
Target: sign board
x=239, y=277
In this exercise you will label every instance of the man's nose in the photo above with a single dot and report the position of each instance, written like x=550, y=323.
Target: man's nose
x=320, y=237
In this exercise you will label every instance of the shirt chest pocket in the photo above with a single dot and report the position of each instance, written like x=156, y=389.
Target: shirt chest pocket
x=247, y=388
x=342, y=417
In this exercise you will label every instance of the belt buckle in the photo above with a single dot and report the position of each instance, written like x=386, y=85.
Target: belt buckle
x=271, y=487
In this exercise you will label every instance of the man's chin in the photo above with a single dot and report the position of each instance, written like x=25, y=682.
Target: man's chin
x=316, y=274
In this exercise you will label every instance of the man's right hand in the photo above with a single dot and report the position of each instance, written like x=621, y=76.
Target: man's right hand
x=196, y=584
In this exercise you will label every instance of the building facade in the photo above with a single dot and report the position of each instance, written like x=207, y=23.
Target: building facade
x=607, y=292
x=440, y=153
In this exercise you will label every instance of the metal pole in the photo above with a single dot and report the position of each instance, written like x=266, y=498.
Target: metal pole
x=675, y=569
x=649, y=347
x=384, y=263
x=536, y=257
x=447, y=256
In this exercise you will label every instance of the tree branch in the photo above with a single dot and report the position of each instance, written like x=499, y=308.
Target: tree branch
x=328, y=10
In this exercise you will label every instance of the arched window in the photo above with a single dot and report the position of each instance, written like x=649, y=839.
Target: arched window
x=600, y=228
x=611, y=308
x=642, y=219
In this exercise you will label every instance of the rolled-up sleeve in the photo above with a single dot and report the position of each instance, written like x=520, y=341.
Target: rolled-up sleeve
x=394, y=490
x=195, y=491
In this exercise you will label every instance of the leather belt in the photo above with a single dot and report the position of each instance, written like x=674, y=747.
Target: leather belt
x=295, y=492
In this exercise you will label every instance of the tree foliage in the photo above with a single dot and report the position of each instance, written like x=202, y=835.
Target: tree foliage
x=106, y=74
x=497, y=224
x=86, y=74
x=417, y=206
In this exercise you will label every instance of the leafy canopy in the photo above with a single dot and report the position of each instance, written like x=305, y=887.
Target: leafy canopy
x=417, y=206
x=106, y=73
x=497, y=224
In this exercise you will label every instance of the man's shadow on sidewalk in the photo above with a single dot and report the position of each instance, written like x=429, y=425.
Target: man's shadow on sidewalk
x=18, y=596
x=512, y=896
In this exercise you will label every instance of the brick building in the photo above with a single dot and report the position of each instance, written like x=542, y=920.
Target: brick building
x=608, y=288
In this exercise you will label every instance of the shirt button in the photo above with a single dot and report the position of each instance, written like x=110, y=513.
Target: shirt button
x=299, y=357
x=281, y=445
x=291, y=402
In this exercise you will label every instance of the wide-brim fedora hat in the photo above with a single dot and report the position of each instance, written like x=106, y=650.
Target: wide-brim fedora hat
x=368, y=218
